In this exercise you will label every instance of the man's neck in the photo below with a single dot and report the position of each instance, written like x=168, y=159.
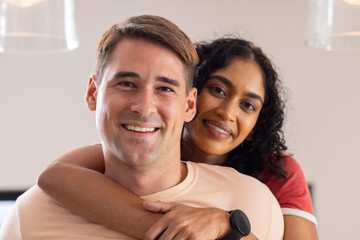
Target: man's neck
x=145, y=180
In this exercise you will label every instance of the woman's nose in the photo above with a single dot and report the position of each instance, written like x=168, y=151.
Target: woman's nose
x=228, y=110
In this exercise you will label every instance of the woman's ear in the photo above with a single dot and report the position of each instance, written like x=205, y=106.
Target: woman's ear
x=190, y=108
x=249, y=137
x=91, y=93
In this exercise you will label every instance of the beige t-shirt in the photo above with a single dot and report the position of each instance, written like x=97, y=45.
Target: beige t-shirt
x=37, y=216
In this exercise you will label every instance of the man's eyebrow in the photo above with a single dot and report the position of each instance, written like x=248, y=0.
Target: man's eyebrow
x=230, y=84
x=173, y=82
x=123, y=74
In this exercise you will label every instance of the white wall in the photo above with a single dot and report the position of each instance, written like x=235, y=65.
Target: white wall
x=43, y=113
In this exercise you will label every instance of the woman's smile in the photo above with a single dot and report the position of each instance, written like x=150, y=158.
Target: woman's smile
x=217, y=129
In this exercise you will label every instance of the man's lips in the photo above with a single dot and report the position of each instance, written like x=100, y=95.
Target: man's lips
x=218, y=126
x=135, y=128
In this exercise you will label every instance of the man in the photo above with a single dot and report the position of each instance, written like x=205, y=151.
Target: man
x=142, y=94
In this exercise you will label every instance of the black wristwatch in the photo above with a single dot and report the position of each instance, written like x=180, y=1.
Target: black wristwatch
x=240, y=225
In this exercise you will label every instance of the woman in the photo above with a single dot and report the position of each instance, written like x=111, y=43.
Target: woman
x=239, y=121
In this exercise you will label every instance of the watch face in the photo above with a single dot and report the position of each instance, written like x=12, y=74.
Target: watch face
x=240, y=222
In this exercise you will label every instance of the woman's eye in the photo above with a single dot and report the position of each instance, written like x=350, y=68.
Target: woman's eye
x=217, y=91
x=249, y=106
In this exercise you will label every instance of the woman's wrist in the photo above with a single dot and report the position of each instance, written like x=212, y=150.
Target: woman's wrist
x=240, y=225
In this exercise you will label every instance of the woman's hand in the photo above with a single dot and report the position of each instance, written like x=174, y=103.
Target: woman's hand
x=184, y=222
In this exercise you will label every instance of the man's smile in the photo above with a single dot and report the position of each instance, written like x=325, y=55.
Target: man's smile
x=138, y=128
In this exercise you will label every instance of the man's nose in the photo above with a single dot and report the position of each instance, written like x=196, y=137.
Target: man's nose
x=144, y=102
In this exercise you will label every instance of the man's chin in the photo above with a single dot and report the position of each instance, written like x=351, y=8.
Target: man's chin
x=137, y=156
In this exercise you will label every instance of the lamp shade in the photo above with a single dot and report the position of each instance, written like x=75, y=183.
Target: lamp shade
x=37, y=26
x=334, y=25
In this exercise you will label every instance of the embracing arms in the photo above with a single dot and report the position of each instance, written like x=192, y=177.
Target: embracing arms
x=76, y=181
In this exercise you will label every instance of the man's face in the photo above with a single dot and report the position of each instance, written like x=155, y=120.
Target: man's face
x=141, y=103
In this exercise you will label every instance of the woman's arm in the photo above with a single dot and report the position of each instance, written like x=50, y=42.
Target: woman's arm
x=76, y=181
x=298, y=228
x=206, y=223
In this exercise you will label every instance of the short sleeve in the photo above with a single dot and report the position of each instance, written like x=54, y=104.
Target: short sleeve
x=292, y=194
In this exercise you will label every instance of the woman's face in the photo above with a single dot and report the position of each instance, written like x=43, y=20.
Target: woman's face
x=228, y=107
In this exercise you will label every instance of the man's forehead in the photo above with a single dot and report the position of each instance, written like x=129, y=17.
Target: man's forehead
x=141, y=56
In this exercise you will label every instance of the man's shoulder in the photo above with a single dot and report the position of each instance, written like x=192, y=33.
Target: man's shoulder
x=32, y=192
x=230, y=182
x=33, y=196
x=34, y=206
x=41, y=217
x=226, y=174
x=228, y=189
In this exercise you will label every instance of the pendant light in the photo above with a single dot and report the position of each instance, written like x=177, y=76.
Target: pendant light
x=37, y=26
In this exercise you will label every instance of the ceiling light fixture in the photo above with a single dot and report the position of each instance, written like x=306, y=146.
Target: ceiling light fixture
x=37, y=26
x=334, y=25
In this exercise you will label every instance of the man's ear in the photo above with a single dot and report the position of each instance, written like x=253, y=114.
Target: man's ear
x=91, y=93
x=190, y=107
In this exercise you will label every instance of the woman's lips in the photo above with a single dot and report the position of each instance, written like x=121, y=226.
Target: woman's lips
x=217, y=129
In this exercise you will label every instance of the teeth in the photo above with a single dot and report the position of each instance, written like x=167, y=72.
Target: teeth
x=217, y=129
x=138, y=129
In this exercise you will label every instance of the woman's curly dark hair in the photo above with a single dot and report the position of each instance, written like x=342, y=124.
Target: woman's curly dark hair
x=267, y=144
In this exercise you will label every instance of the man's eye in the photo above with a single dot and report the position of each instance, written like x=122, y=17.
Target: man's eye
x=125, y=84
x=165, y=89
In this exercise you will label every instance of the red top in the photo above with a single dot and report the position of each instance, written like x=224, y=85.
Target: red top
x=293, y=194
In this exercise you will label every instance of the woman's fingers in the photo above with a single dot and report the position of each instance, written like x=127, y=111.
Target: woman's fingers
x=157, y=229
x=177, y=229
x=170, y=226
x=188, y=223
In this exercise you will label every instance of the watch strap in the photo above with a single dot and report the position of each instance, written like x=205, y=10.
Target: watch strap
x=233, y=235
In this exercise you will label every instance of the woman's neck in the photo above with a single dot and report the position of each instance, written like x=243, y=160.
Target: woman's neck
x=192, y=153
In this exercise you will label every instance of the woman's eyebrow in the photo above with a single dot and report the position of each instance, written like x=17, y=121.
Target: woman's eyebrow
x=255, y=96
x=222, y=79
